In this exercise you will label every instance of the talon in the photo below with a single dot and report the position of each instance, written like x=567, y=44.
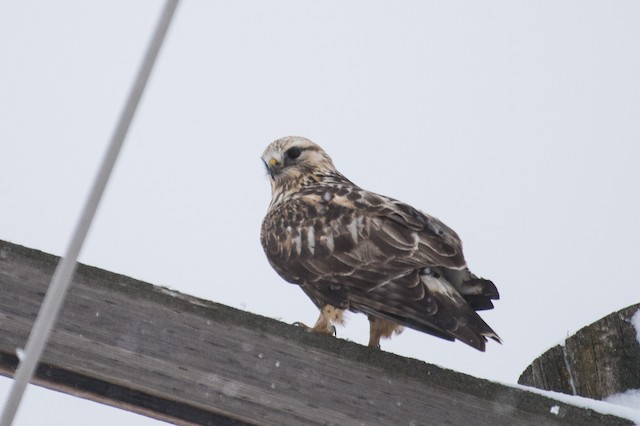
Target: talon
x=302, y=326
x=323, y=330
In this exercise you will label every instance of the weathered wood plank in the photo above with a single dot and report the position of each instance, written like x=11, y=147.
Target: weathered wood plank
x=601, y=359
x=175, y=357
x=549, y=372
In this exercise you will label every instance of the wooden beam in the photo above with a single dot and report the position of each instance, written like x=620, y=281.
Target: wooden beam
x=186, y=360
x=601, y=359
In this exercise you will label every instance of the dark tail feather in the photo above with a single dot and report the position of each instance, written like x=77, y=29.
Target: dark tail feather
x=479, y=293
x=479, y=303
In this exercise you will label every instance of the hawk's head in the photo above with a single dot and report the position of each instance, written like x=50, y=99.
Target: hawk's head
x=292, y=160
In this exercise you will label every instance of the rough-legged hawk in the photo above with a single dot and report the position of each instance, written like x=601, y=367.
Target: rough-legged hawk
x=351, y=249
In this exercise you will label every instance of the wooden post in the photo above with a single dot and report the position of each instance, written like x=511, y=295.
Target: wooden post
x=601, y=359
x=181, y=359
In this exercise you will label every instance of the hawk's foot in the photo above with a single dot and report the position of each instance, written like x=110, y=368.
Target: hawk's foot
x=330, y=330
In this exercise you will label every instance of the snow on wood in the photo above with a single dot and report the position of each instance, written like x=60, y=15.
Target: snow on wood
x=181, y=359
x=630, y=398
x=625, y=407
x=635, y=321
x=600, y=360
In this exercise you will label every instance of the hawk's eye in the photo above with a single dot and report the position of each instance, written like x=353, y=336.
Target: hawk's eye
x=293, y=153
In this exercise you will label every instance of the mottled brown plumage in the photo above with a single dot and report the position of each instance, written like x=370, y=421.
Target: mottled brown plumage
x=351, y=249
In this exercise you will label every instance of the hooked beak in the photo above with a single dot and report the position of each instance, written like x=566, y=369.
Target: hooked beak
x=273, y=167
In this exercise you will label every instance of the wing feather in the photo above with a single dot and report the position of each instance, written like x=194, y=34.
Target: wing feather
x=372, y=254
x=381, y=232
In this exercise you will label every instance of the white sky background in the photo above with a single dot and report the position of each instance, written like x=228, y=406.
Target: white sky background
x=516, y=123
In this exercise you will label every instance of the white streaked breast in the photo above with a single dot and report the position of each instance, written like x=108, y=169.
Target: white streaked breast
x=311, y=239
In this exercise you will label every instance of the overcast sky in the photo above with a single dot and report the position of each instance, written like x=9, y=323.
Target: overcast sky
x=516, y=123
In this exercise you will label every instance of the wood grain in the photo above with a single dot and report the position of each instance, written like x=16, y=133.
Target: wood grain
x=186, y=360
x=601, y=359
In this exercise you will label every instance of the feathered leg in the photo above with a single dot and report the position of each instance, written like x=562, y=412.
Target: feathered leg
x=381, y=328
